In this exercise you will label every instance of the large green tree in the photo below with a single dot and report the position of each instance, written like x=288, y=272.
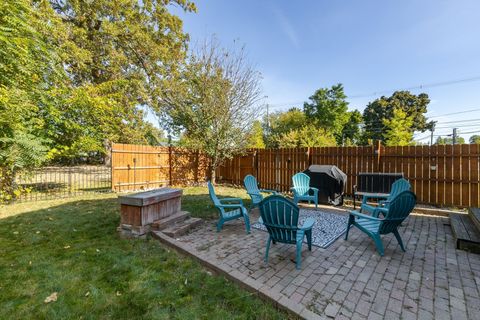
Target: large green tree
x=30, y=72
x=351, y=134
x=379, y=110
x=278, y=124
x=119, y=55
x=397, y=129
x=292, y=129
x=328, y=109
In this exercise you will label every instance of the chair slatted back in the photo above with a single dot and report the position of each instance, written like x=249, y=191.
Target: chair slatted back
x=301, y=183
x=213, y=196
x=280, y=217
x=398, y=187
x=251, y=184
x=399, y=209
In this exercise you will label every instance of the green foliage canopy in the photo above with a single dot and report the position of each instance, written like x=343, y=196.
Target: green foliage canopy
x=255, y=138
x=475, y=139
x=449, y=140
x=118, y=55
x=328, y=108
x=292, y=129
x=414, y=106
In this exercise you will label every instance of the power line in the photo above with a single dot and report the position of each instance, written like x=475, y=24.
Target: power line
x=422, y=86
x=454, y=113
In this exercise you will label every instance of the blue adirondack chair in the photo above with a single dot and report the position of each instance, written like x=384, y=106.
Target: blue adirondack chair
x=280, y=217
x=397, y=211
x=251, y=184
x=229, y=209
x=301, y=189
x=398, y=187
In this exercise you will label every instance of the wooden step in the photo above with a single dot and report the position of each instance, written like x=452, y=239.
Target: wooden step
x=181, y=228
x=465, y=233
x=474, y=214
x=170, y=220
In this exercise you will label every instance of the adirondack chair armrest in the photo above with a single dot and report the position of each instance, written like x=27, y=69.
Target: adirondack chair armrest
x=307, y=224
x=232, y=206
x=314, y=189
x=361, y=215
x=368, y=208
x=374, y=196
x=383, y=202
x=231, y=200
x=268, y=191
x=379, y=210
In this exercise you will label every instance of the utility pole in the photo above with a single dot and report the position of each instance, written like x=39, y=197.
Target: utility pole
x=454, y=136
x=432, y=129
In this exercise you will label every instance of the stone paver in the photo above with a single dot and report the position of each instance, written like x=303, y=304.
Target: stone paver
x=432, y=280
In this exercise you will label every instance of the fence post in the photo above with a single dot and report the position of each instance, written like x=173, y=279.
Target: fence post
x=255, y=162
x=170, y=165
x=309, y=156
x=195, y=169
x=112, y=176
x=378, y=154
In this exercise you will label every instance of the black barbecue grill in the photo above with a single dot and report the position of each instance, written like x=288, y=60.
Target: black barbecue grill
x=330, y=182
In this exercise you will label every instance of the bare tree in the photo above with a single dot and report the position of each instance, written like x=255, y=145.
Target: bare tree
x=216, y=104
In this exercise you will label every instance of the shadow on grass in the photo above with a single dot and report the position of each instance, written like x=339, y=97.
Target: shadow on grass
x=196, y=200
x=74, y=249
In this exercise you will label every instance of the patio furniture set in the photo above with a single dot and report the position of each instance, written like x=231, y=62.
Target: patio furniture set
x=280, y=215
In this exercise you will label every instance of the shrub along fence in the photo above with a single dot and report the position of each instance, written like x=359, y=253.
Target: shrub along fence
x=441, y=175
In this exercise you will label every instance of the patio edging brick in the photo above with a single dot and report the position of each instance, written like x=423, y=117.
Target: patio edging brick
x=277, y=299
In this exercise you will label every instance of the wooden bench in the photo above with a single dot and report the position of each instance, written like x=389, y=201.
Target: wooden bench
x=374, y=183
x=466, y=230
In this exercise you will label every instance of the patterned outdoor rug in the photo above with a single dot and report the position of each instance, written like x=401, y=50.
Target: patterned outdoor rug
x=328, y=227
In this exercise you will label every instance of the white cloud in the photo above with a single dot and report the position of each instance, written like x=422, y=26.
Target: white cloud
x=286, y=26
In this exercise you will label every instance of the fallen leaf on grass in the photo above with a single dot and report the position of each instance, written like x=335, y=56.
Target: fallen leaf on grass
x=97, y=250
x=37, y=232
x=15, y=232
x=66, y=247
x=87, y=294
x=51, y=298
x=118, y=294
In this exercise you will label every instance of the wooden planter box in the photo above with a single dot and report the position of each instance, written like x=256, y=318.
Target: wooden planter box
x=140, y=210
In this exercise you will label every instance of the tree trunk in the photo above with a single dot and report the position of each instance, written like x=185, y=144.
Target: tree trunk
x=107, y=159
x=212, y=174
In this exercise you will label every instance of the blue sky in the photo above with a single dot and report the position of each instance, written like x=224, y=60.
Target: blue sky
x=368, y=46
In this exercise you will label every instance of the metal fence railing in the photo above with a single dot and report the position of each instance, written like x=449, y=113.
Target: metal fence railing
x=62, y=182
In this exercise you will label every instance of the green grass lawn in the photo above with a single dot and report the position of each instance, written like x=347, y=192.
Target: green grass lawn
x=71, y=247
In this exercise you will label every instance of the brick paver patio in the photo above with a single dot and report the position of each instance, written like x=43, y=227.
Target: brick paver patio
x=432, y=280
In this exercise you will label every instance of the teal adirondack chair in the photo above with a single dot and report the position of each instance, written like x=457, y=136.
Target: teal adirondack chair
x=301, y=189
x=251, y=184
x=229, y=209
x=280, y=217
x=397, y=187
x=397, y=211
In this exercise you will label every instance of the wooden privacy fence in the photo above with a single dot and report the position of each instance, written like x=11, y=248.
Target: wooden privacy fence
x=137, y=167
x=441, y=175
